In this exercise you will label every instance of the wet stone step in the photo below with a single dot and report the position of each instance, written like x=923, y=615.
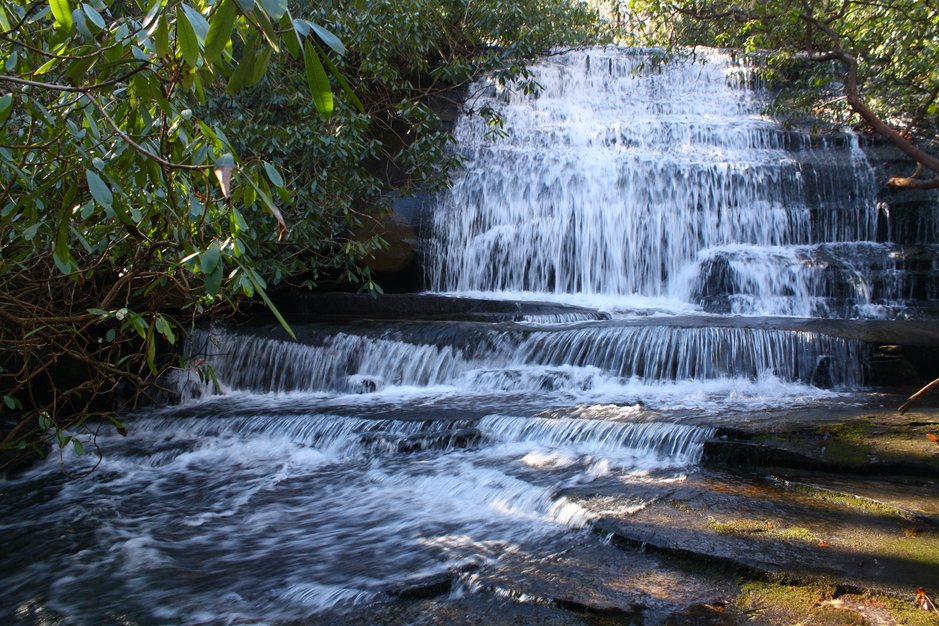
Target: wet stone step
x=759, y=525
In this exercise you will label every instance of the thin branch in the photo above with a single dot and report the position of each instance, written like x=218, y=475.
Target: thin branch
x=136, y=146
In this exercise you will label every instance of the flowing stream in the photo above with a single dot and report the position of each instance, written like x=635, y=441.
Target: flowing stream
x=336, y=472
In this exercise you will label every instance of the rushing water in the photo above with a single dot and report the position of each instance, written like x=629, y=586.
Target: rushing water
x=329, y=474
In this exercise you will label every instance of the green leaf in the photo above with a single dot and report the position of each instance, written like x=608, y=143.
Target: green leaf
x=94, y=17
x=99, y=189
x=328, y=38
x=344, y=84
x=63, y=259
x=195, y=208
x=210, y=259
x=264, y=23
x=246, y=5
x=260, y=66
x=79, y=448
x=78, y=67
x=273, y=175
x=188, y=41
x=161, y=37
x=62, y=13
x=318, y=82
x=274, y=8
x=34, y=331
x=151, y=350
x=199, y=24
x=163, y=327
x=213, y=281
x=6, y=107
x=245, y=68
x=223, y=20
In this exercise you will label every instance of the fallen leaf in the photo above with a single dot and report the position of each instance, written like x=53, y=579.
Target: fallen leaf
x=922, y=599
x=932, y=437
x=822, y=544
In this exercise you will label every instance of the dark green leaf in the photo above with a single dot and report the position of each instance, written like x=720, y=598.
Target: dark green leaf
x=186, y=36
x=223, y=20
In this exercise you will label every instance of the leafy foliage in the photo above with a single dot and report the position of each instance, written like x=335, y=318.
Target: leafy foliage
x=410, y=59
x=166, y=160
x=111, y=216
x=872, y=63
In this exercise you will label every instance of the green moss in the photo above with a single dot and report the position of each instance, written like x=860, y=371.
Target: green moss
x=797, y=534
x=737, y=526
x=846, y=452
x=921, y=548
x=906, y=612
x=848, y=500
x=775, y=603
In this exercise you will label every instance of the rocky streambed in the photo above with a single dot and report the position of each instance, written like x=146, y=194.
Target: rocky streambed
x=830, y=522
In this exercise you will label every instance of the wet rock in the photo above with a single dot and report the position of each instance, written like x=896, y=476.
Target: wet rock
x=701, y=615
x=308, y=307
x=427, y=588
x=892, y=370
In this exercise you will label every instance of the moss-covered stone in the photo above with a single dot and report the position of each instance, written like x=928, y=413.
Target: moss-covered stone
x=822, y=604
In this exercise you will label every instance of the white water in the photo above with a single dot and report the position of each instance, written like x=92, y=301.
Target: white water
x=629, y=186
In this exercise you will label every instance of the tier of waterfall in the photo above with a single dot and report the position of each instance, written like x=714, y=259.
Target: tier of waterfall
x=664, y=184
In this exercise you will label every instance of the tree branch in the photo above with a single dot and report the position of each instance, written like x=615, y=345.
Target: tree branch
x=860, y=106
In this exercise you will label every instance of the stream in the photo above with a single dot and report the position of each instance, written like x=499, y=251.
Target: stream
x=368, y=464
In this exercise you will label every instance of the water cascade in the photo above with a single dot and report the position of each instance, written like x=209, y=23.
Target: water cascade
x=321, y=479
x=667, y=186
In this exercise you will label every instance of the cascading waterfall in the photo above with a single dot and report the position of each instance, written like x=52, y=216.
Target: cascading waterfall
x=664, y=184
x=307, y=481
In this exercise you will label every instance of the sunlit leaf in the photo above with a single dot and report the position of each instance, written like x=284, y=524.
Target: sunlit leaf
x=328, y=38
x=318, y=82
x=62, y=12
x=94, y=17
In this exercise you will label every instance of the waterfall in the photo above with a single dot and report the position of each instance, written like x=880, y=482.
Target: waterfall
x=665, y=184
x=311, y=481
